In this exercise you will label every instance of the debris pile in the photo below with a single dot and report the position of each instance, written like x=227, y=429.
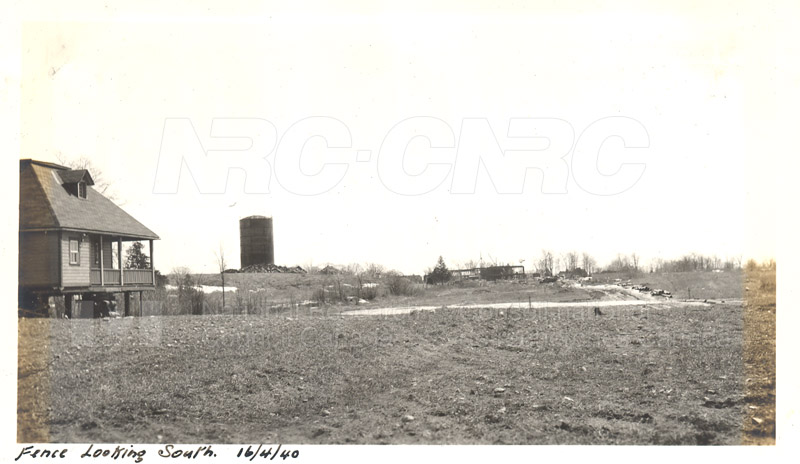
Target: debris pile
x=328, y=270
x=269, y=268
x=643, y=288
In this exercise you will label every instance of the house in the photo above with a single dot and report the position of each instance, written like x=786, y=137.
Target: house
x=489, y=273
x=507, y=272
x=71, y=241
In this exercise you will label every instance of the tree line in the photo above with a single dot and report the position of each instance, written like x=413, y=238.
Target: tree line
x=550, y=263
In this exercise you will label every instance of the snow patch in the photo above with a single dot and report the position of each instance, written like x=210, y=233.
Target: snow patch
x=204, y=288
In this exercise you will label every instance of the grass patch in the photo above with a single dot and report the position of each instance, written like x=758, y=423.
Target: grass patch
x=759, y=357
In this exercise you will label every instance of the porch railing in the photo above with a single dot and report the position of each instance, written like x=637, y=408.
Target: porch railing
x=138, y=276
x=130, y=276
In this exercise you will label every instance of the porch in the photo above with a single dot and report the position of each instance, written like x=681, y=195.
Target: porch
x=111, y=266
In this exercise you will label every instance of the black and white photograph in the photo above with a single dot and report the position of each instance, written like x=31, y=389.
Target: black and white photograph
x=246, y=229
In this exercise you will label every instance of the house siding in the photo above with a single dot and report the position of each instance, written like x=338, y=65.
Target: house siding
x=75, y=275
x=38, y=259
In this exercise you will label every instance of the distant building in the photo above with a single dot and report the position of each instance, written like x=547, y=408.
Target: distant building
x=256, y=244
x=489, y=273
x=68, y=236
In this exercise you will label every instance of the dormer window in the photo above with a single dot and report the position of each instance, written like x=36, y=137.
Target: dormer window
x=76, y=181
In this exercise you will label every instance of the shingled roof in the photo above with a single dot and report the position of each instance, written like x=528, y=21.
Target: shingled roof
x=45, y=204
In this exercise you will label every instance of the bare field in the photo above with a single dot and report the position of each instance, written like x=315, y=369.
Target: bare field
x=636, y=375
x=283, y=289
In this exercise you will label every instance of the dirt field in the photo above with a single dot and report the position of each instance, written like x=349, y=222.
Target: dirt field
x=652, y=374
x=284, y=290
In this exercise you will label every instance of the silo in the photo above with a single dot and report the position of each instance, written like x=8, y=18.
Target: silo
x=255, y=235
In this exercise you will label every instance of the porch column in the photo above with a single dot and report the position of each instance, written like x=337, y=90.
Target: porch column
x=68, y=305
x=119, y=260
x=102, y=276
x=152, y=264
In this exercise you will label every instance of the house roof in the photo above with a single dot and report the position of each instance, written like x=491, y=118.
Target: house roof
x=45, y=204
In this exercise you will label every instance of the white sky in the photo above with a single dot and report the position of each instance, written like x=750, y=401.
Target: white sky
x=696, y=78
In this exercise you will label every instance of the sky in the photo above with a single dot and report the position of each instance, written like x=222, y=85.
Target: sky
x=395, y=136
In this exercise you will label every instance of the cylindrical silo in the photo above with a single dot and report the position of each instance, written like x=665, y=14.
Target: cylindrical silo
x=255, y=235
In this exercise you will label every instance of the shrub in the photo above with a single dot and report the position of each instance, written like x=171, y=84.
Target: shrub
x=468, y=283
x=196, y=301
x=767, y=283
x=369, y=293
x=402, y=286
x=190, y=299
x=319, y=295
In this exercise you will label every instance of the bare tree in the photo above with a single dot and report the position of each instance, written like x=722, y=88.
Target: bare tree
x=546, y=263
x=310, y=267
x=588, y=262
x=635, y=261
x=620, y=263
x=222, y=266
x=656, y=265
x=374, y=270
x=180, y=275
x=572, y=260
x=352, y=269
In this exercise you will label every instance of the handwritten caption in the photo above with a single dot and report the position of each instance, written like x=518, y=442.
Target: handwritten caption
x=130, y=453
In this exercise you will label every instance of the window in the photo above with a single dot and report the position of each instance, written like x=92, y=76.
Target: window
x=73, y=251
x=82, y=189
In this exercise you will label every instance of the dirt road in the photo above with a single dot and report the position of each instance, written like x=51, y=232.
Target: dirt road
x=614, y=296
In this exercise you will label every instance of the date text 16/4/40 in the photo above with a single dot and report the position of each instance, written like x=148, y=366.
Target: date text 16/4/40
x=261, y=451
